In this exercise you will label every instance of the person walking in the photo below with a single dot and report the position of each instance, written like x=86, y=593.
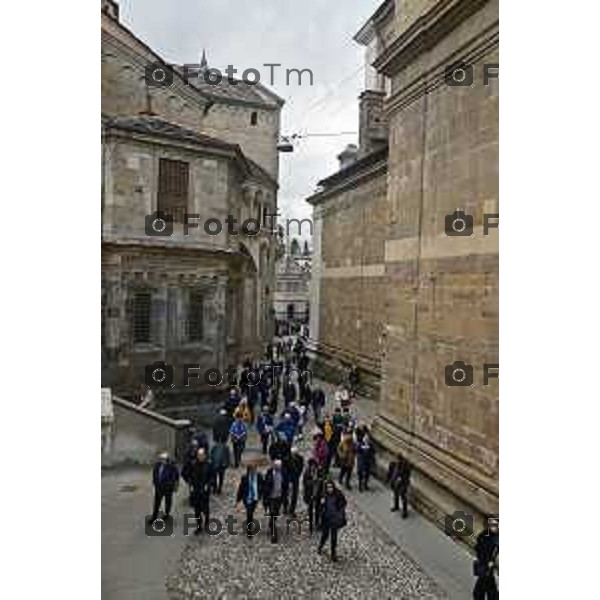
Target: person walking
x=295, y=467
x=264, y=426
x=250, y=492
x=287, y=427
x=243, y=411
x=232, y=401
x=346, y=457
x=321, y=451
x=165, y=478
x=275, y=495
x=485, y=568
x=310, y=491
x=238, y=433
x=333, y=517
x=318, y=403
x=221, y=427
x=365, y=461
x=199, y=476
x=398, y=477
x=289, y=391
x=221, y=461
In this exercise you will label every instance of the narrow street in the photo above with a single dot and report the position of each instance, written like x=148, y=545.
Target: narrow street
x=381, y=555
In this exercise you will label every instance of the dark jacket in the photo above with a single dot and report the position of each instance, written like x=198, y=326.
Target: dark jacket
x=279, y=449
x=220, y=456
x=312, y=486
x=318, y=397
x=337, y=518
x=295, y=466
x=365, y=457
x=264, y=424
x=221, y=428
x=169, y=476
x=268, y=485
x=398, y=475
x=289, y=392
x=199, y=476
x=242, y=491
x=487, y=548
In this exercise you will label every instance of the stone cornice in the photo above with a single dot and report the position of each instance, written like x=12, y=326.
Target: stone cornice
x=471, y=52
x=424, y=33
x=350, y=183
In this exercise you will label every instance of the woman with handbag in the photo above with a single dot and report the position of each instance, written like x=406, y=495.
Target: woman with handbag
x=332, y=509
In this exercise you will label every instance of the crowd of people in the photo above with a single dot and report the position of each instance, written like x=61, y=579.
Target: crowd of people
x=277, y=398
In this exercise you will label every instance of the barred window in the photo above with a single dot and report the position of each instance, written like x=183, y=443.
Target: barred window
x=142, y=304
x=195, y=321
x=173, y=186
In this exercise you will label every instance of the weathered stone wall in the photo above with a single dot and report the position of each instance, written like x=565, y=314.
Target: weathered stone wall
x=258, y=142
x=130, y=191
x=138, y=435
x=442, y=293
x=349, y=274
x=124, y=93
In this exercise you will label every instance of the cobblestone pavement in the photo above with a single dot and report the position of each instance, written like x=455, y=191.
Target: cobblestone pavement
x=227, y=566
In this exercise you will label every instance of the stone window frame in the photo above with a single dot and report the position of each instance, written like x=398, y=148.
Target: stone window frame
x=176, y=174
x=195, y=293
x=135, y=327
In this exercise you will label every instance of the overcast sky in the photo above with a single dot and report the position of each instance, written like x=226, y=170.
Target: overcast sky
x=303, y=34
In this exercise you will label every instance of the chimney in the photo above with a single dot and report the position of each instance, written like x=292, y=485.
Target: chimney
x=111, y=8
x=348, y=156
x=373, y=126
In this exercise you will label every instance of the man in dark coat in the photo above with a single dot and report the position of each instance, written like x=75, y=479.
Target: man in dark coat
x=280, y=449
x=289, y=391
x=250, y=492
x=264, y=426
x=332, y=516
x=365, y=461
x=199, y=476
x=487, y=548
x=312, y=484
x=295, y=466
x=232, y=401
x=398, y=477
x=165, y=477
x=275, y=494
x=220, y=460
x=221, y=427
x=318, y=402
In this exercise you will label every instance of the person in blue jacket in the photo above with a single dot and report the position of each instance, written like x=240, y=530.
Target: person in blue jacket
x=264, y=425
x=287, y=427
x=238, y=432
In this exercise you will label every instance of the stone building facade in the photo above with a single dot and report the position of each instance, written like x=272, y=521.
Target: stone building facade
x=347, y=296
x=199, y=295
x=292, y=287
x=439, y=293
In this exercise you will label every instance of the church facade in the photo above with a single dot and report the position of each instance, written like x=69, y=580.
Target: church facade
x=198, y=288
